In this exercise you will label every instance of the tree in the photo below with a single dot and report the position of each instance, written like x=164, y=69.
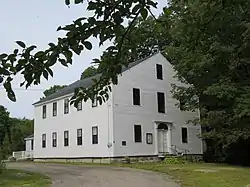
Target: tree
x=53, y=89
x=107, y=23
x=210, y=51
x=89, y=72
x=4, y=128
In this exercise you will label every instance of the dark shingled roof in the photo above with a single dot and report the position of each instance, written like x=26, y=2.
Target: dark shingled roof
x=30, y=136
x=88, y=82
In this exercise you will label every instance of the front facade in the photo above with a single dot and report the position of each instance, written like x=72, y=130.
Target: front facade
x=139, y=119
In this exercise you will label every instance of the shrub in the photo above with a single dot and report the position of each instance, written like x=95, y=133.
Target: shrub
x=12, y=159
x=126, y=160
x=174, y=160
x=2, y=166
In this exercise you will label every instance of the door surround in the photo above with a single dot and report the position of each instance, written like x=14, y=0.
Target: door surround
x=164, y=126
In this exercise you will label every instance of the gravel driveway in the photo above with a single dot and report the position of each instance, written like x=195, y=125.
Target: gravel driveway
x=64, y=175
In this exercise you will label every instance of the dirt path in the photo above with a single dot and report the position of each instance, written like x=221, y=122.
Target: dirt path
x=96, y=176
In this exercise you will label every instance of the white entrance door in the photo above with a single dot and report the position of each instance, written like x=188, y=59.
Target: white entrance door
x=162, y=141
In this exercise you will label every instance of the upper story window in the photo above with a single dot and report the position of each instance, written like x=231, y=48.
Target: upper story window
x=79, y=136
x=66, y=106
x=66, y=138
x=136, y=96
x=54, y=139
x=184, y=135
x=182, y=104
x=137, y=133
x=161, y=102
x=44, y=112
x=43, y=140
x=94, y=102
x=54, y=108
x=79, y=106
x=95, y=135
x=159, y=73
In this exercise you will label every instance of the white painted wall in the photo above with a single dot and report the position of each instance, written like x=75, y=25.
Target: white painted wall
x=143, y=76
x=28, y=145
x=100, y=116
x=116, y=118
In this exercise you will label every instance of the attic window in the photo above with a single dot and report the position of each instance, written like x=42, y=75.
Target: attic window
x=66, y=106
x=159, y=73
x=94, y=102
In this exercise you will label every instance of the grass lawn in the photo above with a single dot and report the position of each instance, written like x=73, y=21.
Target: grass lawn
x=16, y=178
x=202, y=175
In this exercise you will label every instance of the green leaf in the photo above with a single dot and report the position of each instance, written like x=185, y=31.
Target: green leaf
x=88, y=45
x=15, y=51
x=45, y=74
x=50, y=72
x=39, y=54
x=144, y=13
x=136, y=8
x=78, y=1
x=2, y=56
x=67, y=2
x=21, y=44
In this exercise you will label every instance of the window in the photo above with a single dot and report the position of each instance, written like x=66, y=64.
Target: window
x=161, y=102
x=44, y=112
x=43, y=140
x=95, y=135
x=66, y=138
x=137, y=133
x=32, y=144
x=54, y=109
x=182, y=104
x=54, y=139
x=149, y=138
x=184, y=135
x=124, y=143
x=159, y=74
x=66, y=106
x=136, y=96
x=79, y=106
x=94, y=102
x=79, y=136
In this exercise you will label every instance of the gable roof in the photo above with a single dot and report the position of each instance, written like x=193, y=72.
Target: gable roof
x=86, y=83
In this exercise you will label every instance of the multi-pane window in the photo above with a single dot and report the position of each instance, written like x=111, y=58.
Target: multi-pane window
x=94, y=102
x=184, y=135
x=161, y=102
x=95, y=135
x=79, y=106
x=66, y=138
x=149, y=138
x=137, y=133
x=55, y=109
x=66, y=106
x=43, y=140
x=159, y=73
x=54, y=139
x=79, y=136
x=44, y=112
x=136, y=96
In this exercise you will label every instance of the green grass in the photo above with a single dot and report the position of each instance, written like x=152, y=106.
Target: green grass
x=16, y=178
x=202, y=175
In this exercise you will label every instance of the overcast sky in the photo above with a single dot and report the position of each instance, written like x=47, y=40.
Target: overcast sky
x=35, y=22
